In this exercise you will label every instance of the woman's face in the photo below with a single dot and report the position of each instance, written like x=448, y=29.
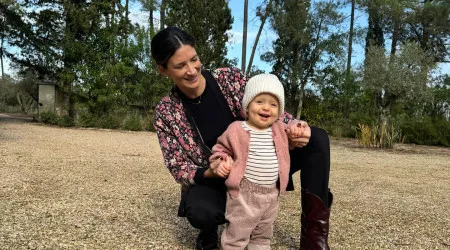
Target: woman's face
x=183, y=68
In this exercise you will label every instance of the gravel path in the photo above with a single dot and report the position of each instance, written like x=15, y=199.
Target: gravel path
x=106, y=189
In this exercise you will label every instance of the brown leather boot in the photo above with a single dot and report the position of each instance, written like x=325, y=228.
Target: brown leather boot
x=315, y=222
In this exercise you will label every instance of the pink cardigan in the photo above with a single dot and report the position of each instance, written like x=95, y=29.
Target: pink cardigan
x=235, y=143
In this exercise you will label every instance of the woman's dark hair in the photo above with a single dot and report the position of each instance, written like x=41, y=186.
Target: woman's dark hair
x=166, y=42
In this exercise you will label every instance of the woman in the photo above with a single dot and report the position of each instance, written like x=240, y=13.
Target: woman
x=198, y=110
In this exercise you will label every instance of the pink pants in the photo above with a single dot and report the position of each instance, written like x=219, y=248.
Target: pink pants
x=251, y=216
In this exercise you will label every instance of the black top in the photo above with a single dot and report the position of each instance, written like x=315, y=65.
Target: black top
x=210, y=118
x=210, y=115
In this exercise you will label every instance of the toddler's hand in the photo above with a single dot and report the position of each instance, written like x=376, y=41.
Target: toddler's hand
x=300, y=134
x=295, y=131
x=224, y=168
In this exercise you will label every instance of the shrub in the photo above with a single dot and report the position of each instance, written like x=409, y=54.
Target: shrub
x=341, y=128
x=86, y=120
x=49, y=118
x=374, y=136
x=65, y=121
x=105, y=121
x=132, y=122
x=108, y=121
x=9, y=109
x=148, y=123
x=365, y=135
x=427, y=131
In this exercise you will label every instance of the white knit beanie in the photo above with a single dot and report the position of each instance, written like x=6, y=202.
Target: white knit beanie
x=263, y=83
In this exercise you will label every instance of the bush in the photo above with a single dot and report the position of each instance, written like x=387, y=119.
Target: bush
x=65, y=121
x=49, y=118
x=106, y=121
x=54, y=119
x=9, y=109
x=427, y=131
x=86, y=120
x=148, y=123
x=366, y=135
x=341, y=128
x=373, y=136
x=132, y=122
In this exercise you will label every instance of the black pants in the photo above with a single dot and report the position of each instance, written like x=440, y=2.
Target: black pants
x=205, y=204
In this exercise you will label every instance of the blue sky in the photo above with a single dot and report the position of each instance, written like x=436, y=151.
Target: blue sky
x=267, y=37
x=235, y=44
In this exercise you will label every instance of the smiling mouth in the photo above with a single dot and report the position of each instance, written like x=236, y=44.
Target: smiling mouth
x=191, y=79
x=264, y=115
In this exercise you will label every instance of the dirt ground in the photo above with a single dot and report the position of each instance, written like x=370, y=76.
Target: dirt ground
x=104, y=189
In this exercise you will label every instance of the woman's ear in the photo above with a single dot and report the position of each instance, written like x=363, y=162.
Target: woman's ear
x=162, y=70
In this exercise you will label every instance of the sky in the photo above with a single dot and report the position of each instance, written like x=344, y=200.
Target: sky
x=267, y=36
x=234, y=45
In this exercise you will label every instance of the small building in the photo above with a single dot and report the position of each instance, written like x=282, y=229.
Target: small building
x=51, y=98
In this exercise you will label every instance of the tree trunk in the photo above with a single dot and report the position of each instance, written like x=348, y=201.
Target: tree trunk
x=162, y=13
x=70, y=7
x=309, y=68
x=125, y=35
x=150, y=20
x=300, y=102
x=425, y=44
x=1, y=57
x=383, y=126
x=244, y=37
x=395, y=34
x=21, y=102
x=350, y=41
x=113, y=27
x=374, y=35
x=294, y=79
x=263, y=21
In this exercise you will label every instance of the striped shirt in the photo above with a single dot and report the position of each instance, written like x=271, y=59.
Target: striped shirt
x=262, y=163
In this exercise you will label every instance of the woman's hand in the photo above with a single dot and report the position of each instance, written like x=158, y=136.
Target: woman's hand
x=299, y=135
x=219, y=167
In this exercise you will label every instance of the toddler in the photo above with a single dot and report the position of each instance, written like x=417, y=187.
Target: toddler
x=259, y=171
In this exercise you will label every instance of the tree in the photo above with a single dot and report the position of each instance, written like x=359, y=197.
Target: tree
x=263, y=16
x=396, y=77
x=12, y=29
x=305, y=37
x=27, y=92
x=375, y=34
x=244, y=37
x=424, y=22
x=8, y=92
x=429, y=26
x=162, y=13
x=208, y=22
x=6, y=14
x=73, y=47
x=84, y=47
x=150, y=6
x=440, y=106
x=350, y=40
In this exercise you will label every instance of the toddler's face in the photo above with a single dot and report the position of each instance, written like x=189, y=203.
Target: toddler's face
x=263, y=111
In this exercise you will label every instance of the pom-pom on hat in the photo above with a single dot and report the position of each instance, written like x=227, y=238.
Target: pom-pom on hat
x=264, y=83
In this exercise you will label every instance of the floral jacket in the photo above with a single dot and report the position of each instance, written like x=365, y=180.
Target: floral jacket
x=180, y=145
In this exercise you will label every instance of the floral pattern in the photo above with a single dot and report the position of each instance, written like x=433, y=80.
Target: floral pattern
x=182, y=152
